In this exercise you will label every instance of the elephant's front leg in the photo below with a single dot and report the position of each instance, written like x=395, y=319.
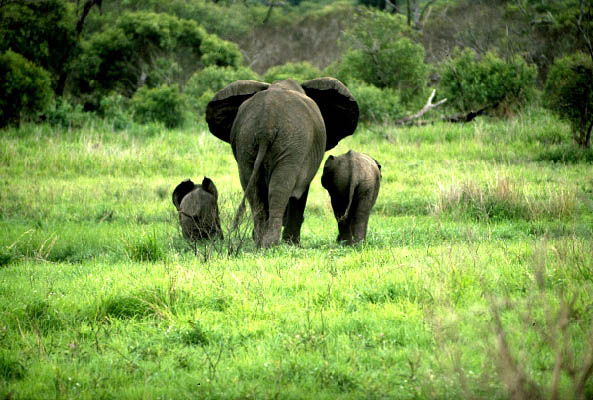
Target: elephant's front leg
x=294, y=217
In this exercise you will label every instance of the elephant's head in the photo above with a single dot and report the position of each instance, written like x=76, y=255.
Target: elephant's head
x=337, y=105
x=197, y=206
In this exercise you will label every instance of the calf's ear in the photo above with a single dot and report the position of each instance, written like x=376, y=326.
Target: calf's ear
x=337, y=105
x=181, y=191
x=378, y=165
x=222, y=109
x=210, y=187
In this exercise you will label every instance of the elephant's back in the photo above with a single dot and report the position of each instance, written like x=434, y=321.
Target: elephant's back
x=279, y=108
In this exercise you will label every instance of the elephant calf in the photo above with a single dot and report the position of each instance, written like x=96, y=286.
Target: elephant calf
x=197, y=206
x=353, y=181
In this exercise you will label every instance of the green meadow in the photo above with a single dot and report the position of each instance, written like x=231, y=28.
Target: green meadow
x=475, y=280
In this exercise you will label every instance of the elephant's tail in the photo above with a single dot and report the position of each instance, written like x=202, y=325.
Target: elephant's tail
x=351, y=187
x=261, y=152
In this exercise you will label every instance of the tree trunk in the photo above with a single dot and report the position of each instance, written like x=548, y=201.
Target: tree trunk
x=88, y=5
x=587, y=141
x=409, y=12
x=416, y=15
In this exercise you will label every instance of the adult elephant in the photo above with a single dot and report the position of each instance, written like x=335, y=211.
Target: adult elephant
x=279, y=133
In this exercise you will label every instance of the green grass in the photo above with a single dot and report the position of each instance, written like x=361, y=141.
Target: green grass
x=100, y=297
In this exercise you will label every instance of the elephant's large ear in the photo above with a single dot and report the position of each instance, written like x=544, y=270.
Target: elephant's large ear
x=337, y=105
x=210, y=187
x=181, y=190
x=222, y=109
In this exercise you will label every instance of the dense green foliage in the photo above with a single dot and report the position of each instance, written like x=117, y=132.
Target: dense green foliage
x=204, y=83
x=101, y=298
x=376, y=105
x=569, y=92
x=149, y=49
x=25, y=88
x=41, y=31
x=470, y=83
x=379, y=50
x=161, y=104
x=302, y=71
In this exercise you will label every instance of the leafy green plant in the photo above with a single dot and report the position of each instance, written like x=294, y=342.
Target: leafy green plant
x=470, y=83
x=300, y=71
x=116, y=109
x=376, y=105
x=64, y=114
x=569, y=92
x=146, y=48
x=380, y=50
x=44, y=32
x=204, y=83
x=163, y=104
x=25, y=89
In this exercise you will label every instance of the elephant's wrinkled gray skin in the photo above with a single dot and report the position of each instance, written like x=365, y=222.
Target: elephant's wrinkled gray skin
x=279, y=133
x=352, y=180
x=197, y=206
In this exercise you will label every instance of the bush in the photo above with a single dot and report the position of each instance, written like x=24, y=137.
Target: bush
x=163, y=104
x=379, y=50
x=219, y=52
x=146, y=49
x=115, y=108
x=569, y=92
x=25, y=89
x=376, y=105
x=301, y=71
x=470, y=83
x=64, y=114
x=203, y=84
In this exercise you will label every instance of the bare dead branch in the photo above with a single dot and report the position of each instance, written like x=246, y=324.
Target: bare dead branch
x=427, y=107
x=519, y=385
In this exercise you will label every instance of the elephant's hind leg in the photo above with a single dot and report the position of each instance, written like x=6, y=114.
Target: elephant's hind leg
x=258, y=202
x=281, y=186
x=293, y=218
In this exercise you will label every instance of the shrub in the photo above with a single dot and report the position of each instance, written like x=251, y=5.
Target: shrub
x=301, y=71
x=470, y=83
x=569, y=92
x=64, y=114
x=115, y=108
x=219, y=52
x=204, y=83
x=379, y=50
x=376, y=105
x=25, y=89
x=163, y=104
x=146, y=49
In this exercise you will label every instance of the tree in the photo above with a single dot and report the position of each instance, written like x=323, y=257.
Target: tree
x=45, y=32
x=379, y=50
x=471, y=82
x=147, y=49
x=569, y=92
x=25, y=88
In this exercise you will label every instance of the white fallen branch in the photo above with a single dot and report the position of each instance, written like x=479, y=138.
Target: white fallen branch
x=427, y=107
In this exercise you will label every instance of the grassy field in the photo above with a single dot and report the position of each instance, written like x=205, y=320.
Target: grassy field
x=475, y=280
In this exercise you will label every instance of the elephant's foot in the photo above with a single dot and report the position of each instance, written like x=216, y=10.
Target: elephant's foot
x=272, y=234
x=291, y=238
